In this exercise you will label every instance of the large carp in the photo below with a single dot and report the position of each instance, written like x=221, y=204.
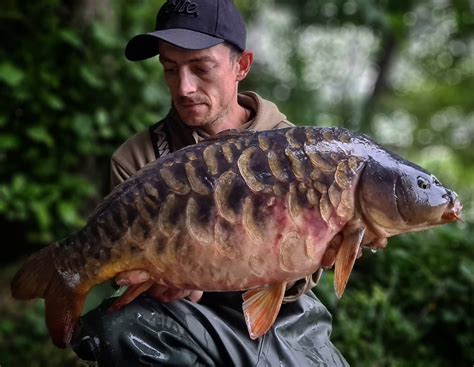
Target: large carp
x=241, y=211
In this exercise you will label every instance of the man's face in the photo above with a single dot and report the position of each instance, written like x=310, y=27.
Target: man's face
x=202, y=83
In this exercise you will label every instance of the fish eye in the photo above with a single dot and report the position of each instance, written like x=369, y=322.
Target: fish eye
x=423, y=183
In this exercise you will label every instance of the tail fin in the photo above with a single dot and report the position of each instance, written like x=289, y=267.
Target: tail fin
x=63, y=309
x=33, y=278
x=38, y=278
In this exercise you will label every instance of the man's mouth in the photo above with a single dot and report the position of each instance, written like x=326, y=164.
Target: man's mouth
x=190, y=104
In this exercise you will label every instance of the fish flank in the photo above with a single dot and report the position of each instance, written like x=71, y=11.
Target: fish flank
x=235, y=212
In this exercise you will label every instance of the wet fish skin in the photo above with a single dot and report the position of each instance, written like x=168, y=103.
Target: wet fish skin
x=240, y=211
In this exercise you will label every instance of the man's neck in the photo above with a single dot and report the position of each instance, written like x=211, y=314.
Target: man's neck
x=232, y=120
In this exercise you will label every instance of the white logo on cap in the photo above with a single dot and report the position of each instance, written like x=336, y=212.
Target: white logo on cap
x=181, y=7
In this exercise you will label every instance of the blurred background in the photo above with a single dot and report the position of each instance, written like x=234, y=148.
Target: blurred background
x=399, y=71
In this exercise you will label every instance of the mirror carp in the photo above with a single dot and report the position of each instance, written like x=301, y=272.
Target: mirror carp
x=242, y=211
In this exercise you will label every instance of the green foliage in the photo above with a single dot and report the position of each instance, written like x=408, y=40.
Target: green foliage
x=63, y=110
x=68, y=98
x=24, y=340
x=408, y=304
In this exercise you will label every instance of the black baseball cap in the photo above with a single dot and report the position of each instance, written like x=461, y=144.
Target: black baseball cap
x=192, y=25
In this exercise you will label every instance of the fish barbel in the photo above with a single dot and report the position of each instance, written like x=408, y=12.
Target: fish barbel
x=249, y=211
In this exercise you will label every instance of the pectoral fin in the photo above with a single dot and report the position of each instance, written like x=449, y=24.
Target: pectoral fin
x=346, y=257
x=261, y=307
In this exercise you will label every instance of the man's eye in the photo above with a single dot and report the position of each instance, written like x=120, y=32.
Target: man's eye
x=202, y=70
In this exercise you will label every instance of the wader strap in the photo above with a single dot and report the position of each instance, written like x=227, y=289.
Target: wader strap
x=160, y=139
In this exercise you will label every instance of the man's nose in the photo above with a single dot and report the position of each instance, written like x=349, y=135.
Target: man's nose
x=186, y=83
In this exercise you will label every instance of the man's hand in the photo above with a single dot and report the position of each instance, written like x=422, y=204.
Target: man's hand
x=160, y=292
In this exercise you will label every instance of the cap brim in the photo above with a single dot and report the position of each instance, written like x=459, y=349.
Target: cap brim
x=144, y=46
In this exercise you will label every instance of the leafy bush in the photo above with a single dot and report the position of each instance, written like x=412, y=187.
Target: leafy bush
x=408, y=304
x=68, y=98
x=63, y=110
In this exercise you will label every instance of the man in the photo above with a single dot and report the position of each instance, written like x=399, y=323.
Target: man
x=201, y=45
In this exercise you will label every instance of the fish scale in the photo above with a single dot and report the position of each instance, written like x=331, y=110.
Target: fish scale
x=239, y=211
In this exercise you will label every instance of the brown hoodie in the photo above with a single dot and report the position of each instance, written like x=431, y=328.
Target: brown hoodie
x=139, y=150
x=170, y=134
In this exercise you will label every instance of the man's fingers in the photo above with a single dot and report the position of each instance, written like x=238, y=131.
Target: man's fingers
x=195, y=296
x=132, y=277
x=165, y=294
x=160, y=292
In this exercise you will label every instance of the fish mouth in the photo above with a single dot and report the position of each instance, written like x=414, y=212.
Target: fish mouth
x=453, y=212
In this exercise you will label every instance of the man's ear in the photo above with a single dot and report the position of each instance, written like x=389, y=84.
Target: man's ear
x=244, y=63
